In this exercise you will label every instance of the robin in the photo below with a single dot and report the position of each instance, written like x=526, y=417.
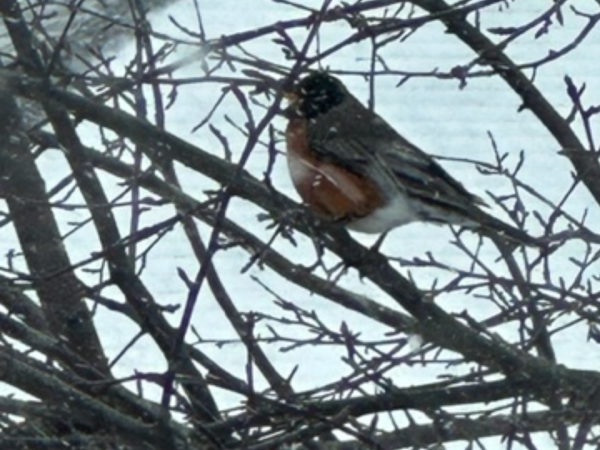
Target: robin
x=350, y=165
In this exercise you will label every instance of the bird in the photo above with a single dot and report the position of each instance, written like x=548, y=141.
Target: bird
x=349, y=165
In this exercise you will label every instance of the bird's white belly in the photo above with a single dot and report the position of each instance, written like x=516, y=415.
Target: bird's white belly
x=396, y=212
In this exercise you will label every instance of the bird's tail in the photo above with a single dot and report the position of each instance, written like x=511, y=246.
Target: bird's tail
x=496, y=229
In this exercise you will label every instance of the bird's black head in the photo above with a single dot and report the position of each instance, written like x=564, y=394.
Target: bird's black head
x=318, y=93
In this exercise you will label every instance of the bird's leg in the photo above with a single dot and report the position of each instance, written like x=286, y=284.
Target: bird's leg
x=335, y=273
x=379, y=242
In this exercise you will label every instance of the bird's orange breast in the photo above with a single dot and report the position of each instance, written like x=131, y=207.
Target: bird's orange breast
x=329, y=190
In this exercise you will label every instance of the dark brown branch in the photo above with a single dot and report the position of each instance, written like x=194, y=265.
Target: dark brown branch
x=587, y=168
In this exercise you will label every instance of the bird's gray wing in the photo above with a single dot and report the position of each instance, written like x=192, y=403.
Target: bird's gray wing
x=364, y=143
x=335, y=140
x=423, y=177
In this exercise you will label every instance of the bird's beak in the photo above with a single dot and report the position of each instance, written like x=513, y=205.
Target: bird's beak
x=290, y=90
x=290, y=96
x=291, y=110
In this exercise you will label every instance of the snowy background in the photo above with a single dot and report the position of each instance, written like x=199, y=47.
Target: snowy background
x=436, y=114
